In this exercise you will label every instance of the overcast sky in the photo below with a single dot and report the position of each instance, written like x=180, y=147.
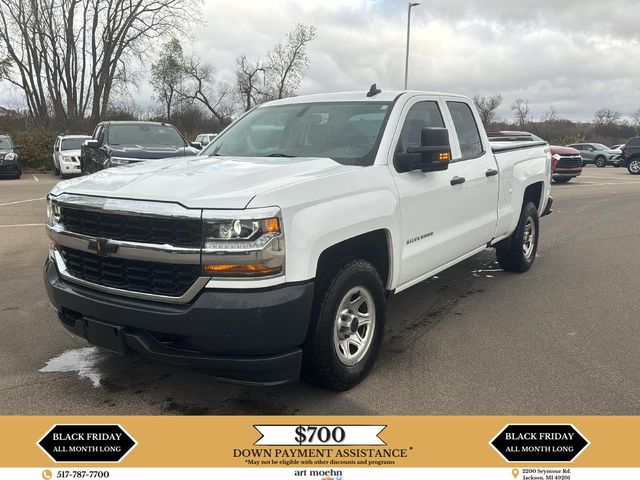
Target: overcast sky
x=577, y=55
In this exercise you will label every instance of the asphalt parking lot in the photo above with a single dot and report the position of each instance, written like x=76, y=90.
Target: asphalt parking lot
x=561, y=339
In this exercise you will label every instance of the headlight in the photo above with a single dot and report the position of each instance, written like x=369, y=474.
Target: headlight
x=66, y=158
x=243, y=244
x=53, y=213
x=555, y=156
x=119, y=161
x=10, y=157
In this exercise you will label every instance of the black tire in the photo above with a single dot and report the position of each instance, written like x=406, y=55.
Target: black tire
x=633, y=166
x=510, y=251
x=56, y=170
x=561, y=180
x=322, y=364
x=601, y=162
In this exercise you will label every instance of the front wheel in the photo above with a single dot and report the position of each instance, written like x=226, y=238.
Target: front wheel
x=633, y=166
x=601, y=162
x=347, y=327
x=517, y=252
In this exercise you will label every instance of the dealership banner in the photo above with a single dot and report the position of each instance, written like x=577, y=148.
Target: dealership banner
x=326, y=448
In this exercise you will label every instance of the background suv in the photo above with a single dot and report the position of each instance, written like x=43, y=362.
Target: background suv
x=631, y=156
x=119, y=143
x=598, y=154
x=9, y=158
x=66, y=154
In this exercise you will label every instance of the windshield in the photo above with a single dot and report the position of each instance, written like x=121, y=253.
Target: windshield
x=5, y=142
x=72, y=143
x=599, y=146
x=347, y=132
x=145, y=135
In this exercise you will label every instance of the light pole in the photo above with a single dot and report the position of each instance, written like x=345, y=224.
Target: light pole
x=406, y=61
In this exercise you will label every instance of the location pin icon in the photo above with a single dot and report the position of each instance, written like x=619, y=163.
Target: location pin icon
x=515, y=472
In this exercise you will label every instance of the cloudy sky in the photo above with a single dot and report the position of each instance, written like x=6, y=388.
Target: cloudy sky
x=576, y=55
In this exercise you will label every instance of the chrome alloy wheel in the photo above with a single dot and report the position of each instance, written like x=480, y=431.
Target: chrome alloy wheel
x=634, y=166
x=529, y=238
x=354, y=326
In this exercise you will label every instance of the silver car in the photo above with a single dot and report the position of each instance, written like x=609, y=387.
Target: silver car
x=66, y=154
x=598, y=154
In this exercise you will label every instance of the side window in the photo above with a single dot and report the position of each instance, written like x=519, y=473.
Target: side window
x=421, y=115
x=635, y=141
x=100, y=135
x=467, y=130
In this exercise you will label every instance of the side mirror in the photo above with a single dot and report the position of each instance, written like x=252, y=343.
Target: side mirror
x=197, y=145
x=92, y=144
x=432, y=155
x=17, y=147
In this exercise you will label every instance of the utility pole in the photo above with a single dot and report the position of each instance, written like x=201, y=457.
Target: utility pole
x=406, y=62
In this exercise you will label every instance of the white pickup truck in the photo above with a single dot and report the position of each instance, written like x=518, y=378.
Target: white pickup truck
x=273, y=252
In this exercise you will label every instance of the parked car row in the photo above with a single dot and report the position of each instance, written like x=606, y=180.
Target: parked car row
x=597, y=154
x=116, y=143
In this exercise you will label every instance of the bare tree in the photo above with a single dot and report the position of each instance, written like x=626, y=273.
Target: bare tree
x=550, y=115
x=287, y=62
x=201, y=86
x=487, y=107
x=67, y=55
x=607, y=117
x=167, y=75
x=520, y=109
x=251, y=86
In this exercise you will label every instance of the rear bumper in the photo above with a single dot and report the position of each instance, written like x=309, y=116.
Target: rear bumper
x=239, y=336
x=9, y=170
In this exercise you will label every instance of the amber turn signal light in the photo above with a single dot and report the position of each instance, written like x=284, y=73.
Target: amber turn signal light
x=230, y=270
x=444, y=157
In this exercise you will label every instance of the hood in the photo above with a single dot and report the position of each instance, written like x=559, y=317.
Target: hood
x=200, y=182
x=559, y=150
x=150, y=152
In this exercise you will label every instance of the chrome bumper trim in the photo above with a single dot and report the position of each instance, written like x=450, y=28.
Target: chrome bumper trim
x=185, y=298
x=148, y=252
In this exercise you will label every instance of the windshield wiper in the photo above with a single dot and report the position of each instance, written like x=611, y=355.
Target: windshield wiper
x=282, y=155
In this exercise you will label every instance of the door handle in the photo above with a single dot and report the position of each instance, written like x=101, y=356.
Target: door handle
x=457, y=180
x=491, y=172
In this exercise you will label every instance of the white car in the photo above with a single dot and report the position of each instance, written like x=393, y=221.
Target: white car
x=205, y=139
x=274, y=251
x=66, y=154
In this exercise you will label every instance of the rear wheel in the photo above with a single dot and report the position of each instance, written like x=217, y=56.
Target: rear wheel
x=633, y=166
x=601, y=162
x=517, y=252
x=347, y=328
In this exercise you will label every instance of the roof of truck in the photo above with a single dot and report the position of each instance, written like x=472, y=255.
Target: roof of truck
x=383, y=96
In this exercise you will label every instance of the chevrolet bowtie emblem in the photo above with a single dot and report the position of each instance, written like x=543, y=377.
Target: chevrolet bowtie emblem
x=103, y=247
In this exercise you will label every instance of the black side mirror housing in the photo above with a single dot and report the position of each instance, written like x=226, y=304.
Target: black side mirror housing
x=93, y=144
x=197, y=145
x=432, y=155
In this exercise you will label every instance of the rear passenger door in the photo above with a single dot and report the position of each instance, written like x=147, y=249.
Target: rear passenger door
x=481, y=178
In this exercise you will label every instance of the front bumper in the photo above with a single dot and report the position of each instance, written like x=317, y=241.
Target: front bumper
x=9, y=169
x=69, y=168
x=251, y=337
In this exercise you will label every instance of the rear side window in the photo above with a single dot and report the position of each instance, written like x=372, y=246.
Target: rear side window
x=467, y=130
x=635, y=141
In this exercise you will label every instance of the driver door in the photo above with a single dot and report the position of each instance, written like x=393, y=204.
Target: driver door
x=432, y=203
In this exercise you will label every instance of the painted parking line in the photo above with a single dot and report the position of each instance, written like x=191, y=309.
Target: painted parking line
x=23, y=225
x=590, y=184
x=35, y=178
x=22, y=201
